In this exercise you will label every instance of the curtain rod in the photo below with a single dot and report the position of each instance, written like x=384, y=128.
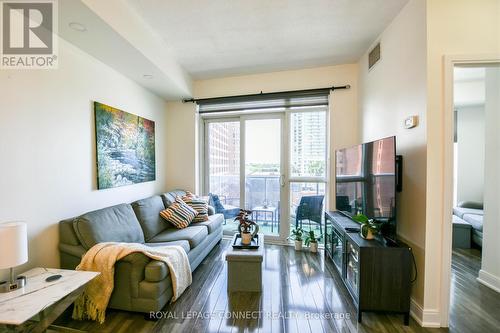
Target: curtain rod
x=317, y=90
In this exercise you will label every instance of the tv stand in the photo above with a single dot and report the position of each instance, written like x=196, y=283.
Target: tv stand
x=375, y=273
x=390, y=243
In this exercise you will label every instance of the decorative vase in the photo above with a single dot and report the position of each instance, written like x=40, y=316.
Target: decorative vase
x=314, y=247
x=246, y=238
x=298, y=245
x=366, y=232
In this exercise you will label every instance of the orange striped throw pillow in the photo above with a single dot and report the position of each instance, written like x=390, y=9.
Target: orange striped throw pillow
x=179, y=214
x=198, y=204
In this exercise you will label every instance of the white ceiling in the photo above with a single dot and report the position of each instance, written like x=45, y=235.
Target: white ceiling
x=118, y=37
x=231, y=37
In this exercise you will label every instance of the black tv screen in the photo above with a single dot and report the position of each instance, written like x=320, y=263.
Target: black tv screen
x=366, y=182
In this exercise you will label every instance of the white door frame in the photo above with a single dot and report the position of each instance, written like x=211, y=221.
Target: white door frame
x=447, y=227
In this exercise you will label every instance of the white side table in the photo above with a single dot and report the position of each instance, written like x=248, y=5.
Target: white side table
x=48, y=300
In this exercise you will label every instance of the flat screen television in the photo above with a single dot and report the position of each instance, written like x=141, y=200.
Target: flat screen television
x=366, y=182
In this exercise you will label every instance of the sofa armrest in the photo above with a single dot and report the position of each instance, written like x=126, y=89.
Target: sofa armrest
x=74, y=250
x=211, y=210
x=129, y=271
x=70, y=255
x=137, y=260
x=156, y=271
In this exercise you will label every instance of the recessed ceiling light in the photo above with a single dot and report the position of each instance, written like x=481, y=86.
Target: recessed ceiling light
x=148, y=76
x=77, y=27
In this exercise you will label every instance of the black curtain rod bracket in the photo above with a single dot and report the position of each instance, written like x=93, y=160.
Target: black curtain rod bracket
x=249, y=96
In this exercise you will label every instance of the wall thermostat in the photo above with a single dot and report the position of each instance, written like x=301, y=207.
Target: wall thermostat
x=411, y=122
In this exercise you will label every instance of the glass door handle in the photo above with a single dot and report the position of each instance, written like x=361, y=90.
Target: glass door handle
x=282, y=180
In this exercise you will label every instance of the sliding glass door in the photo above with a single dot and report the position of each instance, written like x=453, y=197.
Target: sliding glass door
x=263, y=171
x=273, y=164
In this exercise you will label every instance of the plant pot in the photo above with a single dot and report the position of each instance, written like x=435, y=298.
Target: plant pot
x=366, y=233
x=298, y=245
x=313, y=247
x=246, y=238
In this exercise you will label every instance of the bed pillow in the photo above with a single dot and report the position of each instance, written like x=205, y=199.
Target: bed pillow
x=199, y=205
x=179, y=214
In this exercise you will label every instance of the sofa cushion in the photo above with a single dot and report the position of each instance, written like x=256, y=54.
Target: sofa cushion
x=475, y=220
x=214, y=222
x=182, y=243
x=194, y=235
x=179, y=214
x=113, y=224
x=148, y=213
x=460, y=211
x=169, y=197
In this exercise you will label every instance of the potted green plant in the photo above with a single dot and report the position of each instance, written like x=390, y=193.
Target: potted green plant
x=297, y=237
x=246, y=226
x=369, y=227
x=311, y=241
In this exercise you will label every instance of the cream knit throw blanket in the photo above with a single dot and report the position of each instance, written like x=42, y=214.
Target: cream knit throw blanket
x=102, y=257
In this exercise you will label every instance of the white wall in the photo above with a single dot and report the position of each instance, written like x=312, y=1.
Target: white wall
x=392, y=90
x=490, y=266
x=182, y=119
x=181, y=146
x=47, y=144
x=470, y=153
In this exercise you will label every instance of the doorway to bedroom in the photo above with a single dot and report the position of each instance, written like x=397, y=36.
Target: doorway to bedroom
x=469, y=158
x=475, y=274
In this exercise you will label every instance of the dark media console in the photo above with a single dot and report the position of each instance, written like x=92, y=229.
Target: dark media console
x=376, y=274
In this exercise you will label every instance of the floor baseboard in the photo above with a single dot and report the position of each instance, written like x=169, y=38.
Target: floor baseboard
x=425, y=318
x=489, y=280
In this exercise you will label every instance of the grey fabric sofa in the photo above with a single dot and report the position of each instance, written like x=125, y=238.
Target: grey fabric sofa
x=141, y=284
x=471, y=213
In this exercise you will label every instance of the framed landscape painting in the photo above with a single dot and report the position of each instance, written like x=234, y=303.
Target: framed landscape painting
x=125, y=147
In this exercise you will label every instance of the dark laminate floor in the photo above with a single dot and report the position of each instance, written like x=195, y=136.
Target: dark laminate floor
x=296, y=284
x=474, y=307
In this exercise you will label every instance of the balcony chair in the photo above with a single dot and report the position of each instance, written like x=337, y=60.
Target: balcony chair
x=310, y=208
x=228, y=211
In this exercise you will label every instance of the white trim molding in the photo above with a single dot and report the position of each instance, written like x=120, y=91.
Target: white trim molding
x=489, y=280
x=425, y=318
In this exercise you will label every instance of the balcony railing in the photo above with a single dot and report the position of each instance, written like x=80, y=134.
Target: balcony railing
x=260, y=190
